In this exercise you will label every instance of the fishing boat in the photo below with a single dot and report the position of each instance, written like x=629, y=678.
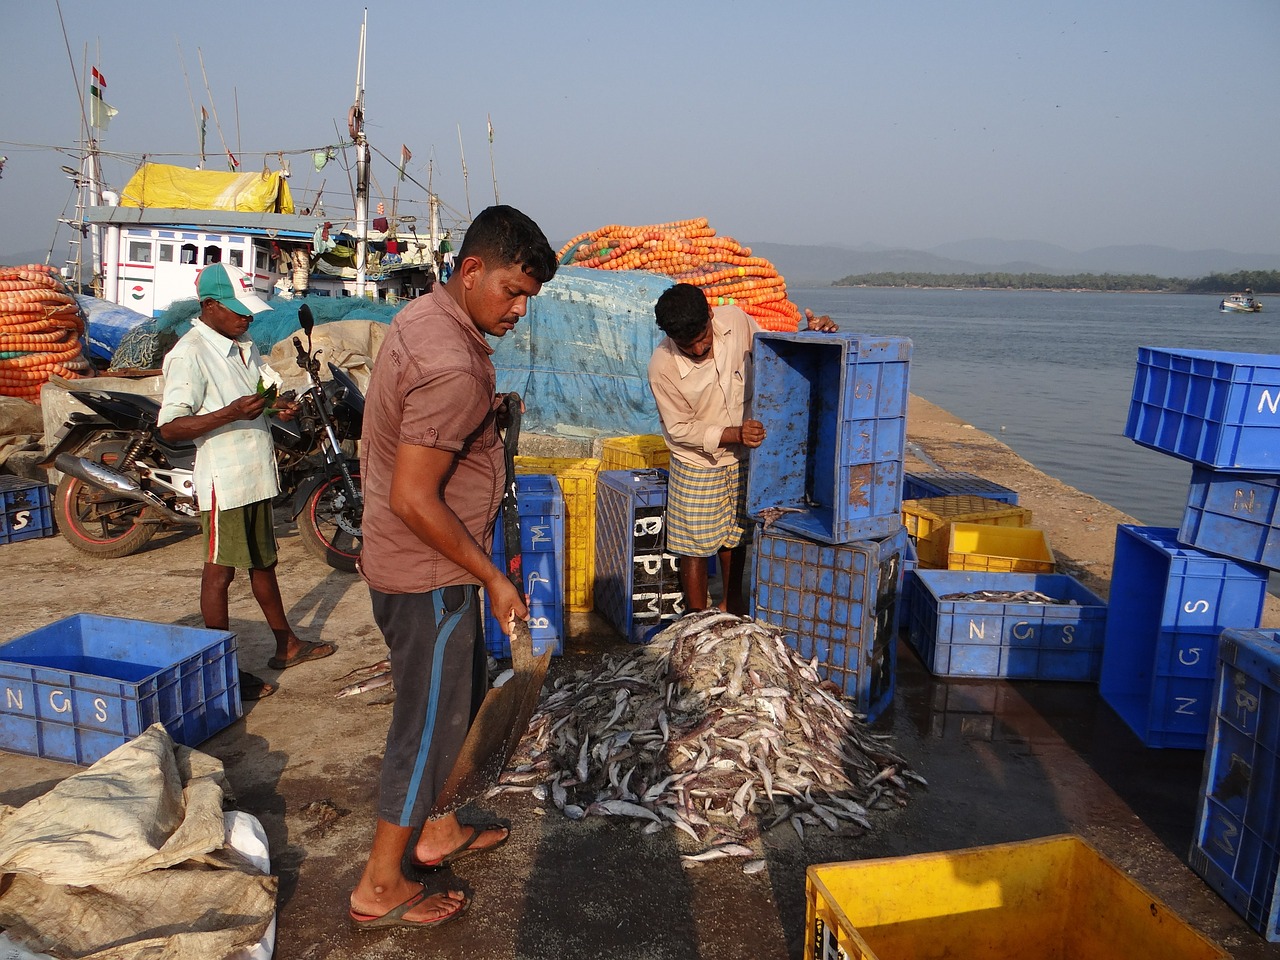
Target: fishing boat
x=1241, y=303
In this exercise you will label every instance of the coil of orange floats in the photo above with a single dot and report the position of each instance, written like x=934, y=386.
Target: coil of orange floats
x=689, y=251
x=41, y=326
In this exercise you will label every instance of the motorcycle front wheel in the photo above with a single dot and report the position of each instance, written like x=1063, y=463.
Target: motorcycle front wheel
x=97, y=522
x=329, y=524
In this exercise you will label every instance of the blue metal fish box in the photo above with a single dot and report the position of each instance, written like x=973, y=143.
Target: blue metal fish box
x=637, y=588
x=1169, y=602
x=76, y=689
x=1235, y=515
x=1011, y=638
x=836, y=603
x=1219, y=410
x=1236, y=848
x=835, y=410
x=25, y=512
x=954, y=483
x=542, y=555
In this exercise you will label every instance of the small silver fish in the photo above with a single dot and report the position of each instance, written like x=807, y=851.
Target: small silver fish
x=718, y=852
x=363, y=686
x=380, y=667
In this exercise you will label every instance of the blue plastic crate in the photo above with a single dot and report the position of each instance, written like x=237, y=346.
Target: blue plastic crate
x=906, y=585
x=540, y=504
x=1235, y=515
x=25, y=511
x=1216, y=409
x=954, y=483
x=835, y=409
x=1236, y=848
x=637, y=585
x=836, y=603
x=1015, y=640
x=1169, y=602
x=76, y=689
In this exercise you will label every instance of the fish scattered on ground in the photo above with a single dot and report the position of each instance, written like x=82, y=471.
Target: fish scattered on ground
x=369, y=683
x=717, y=728
x=367, y=671
x=1007, y=596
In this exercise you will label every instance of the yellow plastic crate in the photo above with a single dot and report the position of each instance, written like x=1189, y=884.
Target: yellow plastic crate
x=577, y=476
x=928, y=522
x=1052, y=899
x=980, y=546
x=639, y=452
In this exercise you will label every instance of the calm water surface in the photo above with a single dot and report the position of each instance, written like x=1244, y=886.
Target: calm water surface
x=1051, y=374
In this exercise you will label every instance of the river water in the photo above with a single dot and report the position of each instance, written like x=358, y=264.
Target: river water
x=1051, y=374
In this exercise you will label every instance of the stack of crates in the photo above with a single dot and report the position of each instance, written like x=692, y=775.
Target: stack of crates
x=828, y=564
x=540, y=506
x=640, y=452
x=637, y=583
x=577, y=477
x=929, y=522
x=1173, y=592
x=1236, y=848
x=25, y=511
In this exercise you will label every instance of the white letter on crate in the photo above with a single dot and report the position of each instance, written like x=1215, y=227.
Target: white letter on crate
x=1185, y=704
x=539, y=531
x=62, y=705
x=1247, y=503
x=1267, y=400
x=1196, y=606
x=1023, y=630
x=1195, y=656
x=977, y=629
x=1068, y=633
x=99, y=709
x=647, y=526
x=13, y=698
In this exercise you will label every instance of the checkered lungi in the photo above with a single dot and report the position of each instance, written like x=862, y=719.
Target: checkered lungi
x=706, y=508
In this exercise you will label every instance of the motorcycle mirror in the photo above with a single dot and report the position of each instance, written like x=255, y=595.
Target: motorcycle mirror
x=307, y=321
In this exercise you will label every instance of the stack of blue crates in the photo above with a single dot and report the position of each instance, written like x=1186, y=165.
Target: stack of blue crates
x=540, y=504
x=637, y=582
x=1173, y=592
x=827, y=567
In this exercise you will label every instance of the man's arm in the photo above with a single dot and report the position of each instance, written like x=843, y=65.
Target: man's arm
x=198, y=424
x=416, y=499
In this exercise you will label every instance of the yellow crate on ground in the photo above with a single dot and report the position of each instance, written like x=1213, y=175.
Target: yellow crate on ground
x=928, y=522
x=980, y=546
x=577, y=476
x=639, y=452
x=1055, y=898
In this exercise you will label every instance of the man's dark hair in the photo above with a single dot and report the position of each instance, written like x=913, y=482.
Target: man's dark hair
x=502, y=236
x=682, y=312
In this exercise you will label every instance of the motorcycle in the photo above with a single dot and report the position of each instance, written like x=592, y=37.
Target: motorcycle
x=122, y=481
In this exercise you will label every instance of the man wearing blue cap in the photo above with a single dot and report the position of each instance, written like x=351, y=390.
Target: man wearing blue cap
x=211, y=396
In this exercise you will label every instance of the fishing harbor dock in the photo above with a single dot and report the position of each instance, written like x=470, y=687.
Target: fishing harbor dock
x=1005, y=761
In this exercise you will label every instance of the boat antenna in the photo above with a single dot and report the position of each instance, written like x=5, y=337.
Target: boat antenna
x=214, y=107
x=355, y=125
x=465, y=189
x=192, y=100
x=492, y=172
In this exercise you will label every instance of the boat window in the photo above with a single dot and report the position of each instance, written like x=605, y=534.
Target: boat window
x=260, y=259
x=166, y=253
x=237, y=258
x=139, y=251
x=212, y=254
x=188, y=253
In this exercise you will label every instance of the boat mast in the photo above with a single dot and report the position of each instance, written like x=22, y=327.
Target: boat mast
x=356, y=128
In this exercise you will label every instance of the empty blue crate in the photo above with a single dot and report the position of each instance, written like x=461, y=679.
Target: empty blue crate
x=1236, y=848
x=1169, y=603
x=76, y=689
x=25, y=511
x=835, y=410
x=540, y=505
x=637, y=585
x=954, y=483
x=1235, y=515
x=1217, y=409
x=836, y=603
x=959, y=634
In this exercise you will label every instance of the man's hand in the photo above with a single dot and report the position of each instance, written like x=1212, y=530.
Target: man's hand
x=248, y=407
x=752, y=433
x=823, y=324
x=285, y=410
x=503, y=599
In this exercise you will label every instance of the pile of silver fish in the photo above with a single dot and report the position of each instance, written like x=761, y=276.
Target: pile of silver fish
x=716, y=728
x=1008, y=596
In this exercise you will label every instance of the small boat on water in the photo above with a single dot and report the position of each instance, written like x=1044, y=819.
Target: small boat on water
x=1241, y=303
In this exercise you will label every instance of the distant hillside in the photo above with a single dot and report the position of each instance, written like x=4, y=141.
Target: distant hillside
x=821, y=265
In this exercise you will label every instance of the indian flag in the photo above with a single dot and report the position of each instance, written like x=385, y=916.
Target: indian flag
x=100, y=112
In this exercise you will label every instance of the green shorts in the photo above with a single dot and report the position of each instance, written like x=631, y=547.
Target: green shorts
x=243, y=537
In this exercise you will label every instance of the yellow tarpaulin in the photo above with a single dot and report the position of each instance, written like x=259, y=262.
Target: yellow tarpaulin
x=169, y=187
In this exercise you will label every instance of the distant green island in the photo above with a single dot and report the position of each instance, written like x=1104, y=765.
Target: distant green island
x=1259, y=281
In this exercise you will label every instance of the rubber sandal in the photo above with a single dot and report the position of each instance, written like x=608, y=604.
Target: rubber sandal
x=255, y=688
x=395, y=916
x=464, y=849
x=310, y=651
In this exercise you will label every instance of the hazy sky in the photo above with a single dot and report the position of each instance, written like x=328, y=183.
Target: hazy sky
x=903, y=124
